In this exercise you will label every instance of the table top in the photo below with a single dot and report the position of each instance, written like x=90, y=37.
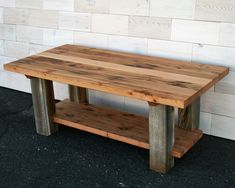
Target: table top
x=153, y=79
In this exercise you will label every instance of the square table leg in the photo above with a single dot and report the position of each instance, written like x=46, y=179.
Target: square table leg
x=44, y=106
x=78, y=94
x=189, y=117
x=161, y=137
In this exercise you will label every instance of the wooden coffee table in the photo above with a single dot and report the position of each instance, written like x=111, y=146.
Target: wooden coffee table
x=165, y=84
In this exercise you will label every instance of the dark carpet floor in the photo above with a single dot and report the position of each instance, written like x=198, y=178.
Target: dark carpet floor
x=71, y=158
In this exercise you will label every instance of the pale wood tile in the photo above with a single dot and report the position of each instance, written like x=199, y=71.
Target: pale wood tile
x=195, y=31
x=16, y=49
x=227, y=34
x=215, y=55
x=91, y=39
x=29, y=34
x=43, y=18
x=218, y=103
x=8, y=80
x=37, y=4
x=52, y=37
x=91, y=6
x=16, y=16
x=7, y=32
x=1, y=47
x=170, y=49
x=64, y=5
x=7, y=3
x=133, y=7
x=110, y=24
x=215, y=10
x=172, y=9
x=4, y=60
x=227, y=84
x=1, y=15
x=150, y=27
x=75, y=21
x=36, y=48
x=128, y=44
x=223, y=126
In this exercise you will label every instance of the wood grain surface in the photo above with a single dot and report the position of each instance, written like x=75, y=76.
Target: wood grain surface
x=152, y=79
x=121, y=126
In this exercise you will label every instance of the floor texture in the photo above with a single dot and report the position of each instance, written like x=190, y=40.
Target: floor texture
x=71, y=158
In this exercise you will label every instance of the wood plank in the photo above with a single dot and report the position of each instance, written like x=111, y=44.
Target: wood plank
x=152, y=79
x=78, y=94
x=189, y=117
x=44, y=106
x=124, y=127
x=136, y=60
x=161, y=137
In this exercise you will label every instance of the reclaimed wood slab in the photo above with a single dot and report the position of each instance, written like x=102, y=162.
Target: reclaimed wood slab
x=153, y=79
x=121, y=126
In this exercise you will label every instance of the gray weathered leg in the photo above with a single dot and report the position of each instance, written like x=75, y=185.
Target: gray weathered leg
x=189, y=117
x=78, y=94
x=44, y=106
x=161, y=137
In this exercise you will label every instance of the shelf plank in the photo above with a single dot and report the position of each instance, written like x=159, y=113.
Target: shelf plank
x=121, y=126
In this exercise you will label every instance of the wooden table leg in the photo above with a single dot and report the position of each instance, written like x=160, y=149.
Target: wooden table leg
x=78, y=94
x=189, y=117
x=161, y=137
x=44, y=106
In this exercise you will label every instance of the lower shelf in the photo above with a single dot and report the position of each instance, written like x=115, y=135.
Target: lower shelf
x=121, y=126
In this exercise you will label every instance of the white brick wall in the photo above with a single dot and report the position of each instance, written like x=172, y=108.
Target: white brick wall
x=109, y=24
x=75, y=21
x=192, y=30
x=1, y=15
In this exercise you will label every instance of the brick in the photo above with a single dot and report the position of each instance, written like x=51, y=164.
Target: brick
x=195, y=31
x=7, y=3
x=29, y=34
x=91, y=39
x=215, y=10
x=52, y=37
x=1, y=47
x=170, y=49
x=110, y=24
x=4, y=60
x=227, y=34
x=150, y=27
x=214, y=55
x=64, y=5
x=227, y=84
x=8, y=80
x=16, y=49
x=133, y=7
x=7, y=32
x=223, y=126
x=36, y=4
x=75, y=21
x=44, y=18
x=16, y=16
x=91, y=6
x=128, y=44
x=1, y=15
x=218, y=103
x=172, y=9
x=36, y=48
